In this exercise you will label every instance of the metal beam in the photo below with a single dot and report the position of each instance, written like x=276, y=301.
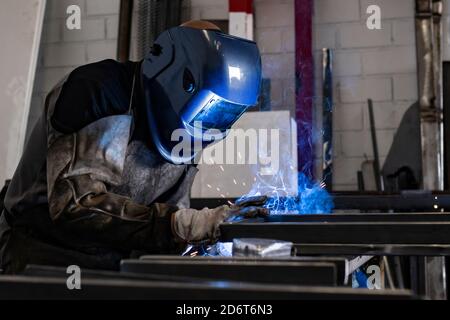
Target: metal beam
x=424, y=233
x=360, y=217
x=311, y=273
x=415, y=201
x=304, y=85
x=23, y=287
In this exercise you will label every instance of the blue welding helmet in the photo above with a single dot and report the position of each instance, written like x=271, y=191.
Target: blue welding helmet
x=195, y=80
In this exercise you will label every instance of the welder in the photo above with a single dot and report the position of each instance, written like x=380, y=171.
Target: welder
x=98, y=180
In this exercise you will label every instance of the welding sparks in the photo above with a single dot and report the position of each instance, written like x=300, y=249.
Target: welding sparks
x=312, y=197
x=285, y=196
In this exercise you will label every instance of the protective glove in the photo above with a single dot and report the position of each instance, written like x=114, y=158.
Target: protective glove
x=202, y=226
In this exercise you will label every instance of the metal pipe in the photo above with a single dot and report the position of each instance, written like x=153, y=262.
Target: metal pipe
x=388, y=273
x=428, y=37
x=124, y=33
x=304, y=83
x=428, y=19
x=327, y=118
x=376, y=163
x=360, y=178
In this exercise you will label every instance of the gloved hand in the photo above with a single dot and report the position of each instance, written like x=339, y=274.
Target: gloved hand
x=197, y=226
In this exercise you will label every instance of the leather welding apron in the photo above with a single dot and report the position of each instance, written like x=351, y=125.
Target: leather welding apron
x=20, y=247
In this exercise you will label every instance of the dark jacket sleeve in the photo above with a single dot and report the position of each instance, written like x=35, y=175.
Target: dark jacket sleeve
x=91, y=92
x=83, y=163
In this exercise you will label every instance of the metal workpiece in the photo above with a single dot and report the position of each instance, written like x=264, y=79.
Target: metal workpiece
x=248, y=247
x=360, y=217
x=403, y=234
x=345, y=265
x=191, y=270
x=351, y=233
x=30, y=287
x=406, y=201
x=311, y=273
x=372, y=249
x=55, y=271
x=384, y=232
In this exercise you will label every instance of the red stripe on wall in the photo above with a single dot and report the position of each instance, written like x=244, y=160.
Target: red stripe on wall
x=241, y=6
x=304, y=85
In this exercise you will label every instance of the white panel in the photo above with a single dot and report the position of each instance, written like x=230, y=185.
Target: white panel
x=249, y=27
x=241, y=25
x=238, y=24
x=234, y=180
x=21, y=26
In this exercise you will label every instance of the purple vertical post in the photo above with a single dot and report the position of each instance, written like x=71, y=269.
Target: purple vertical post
x=304, y=85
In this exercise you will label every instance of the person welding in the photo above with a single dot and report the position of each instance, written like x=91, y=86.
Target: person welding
x=98, y=181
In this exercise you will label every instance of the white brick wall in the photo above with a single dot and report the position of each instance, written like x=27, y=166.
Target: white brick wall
x=350, y=117
x=405, y=87
x=390, y=9
x=357, y=35
x=64, y=54
x=274, y=14
x=62, y=50
x=390, y=60
x=275, y=35
x=376, y=64
x=209, y=9
x=91, y=29
x=101, y=50
x=347, y=63
x=269, y=40
x=102, y=7
x=332, y=11
x=358, y=89
x=403, y=32
x=324, y=36
x=57, y=8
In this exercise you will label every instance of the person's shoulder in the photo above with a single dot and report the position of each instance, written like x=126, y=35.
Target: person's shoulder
x=91, y=92
x=103, y=70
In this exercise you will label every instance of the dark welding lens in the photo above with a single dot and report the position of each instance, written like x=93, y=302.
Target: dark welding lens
x=188, y=81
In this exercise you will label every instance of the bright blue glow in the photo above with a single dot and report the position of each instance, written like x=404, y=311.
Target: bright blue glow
x=359, y=279
x=234, y=72
x=312, y=198
x=219, y=114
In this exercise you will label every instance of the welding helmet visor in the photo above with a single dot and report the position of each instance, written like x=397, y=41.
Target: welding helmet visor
x=200, y=79
x=214, y=112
